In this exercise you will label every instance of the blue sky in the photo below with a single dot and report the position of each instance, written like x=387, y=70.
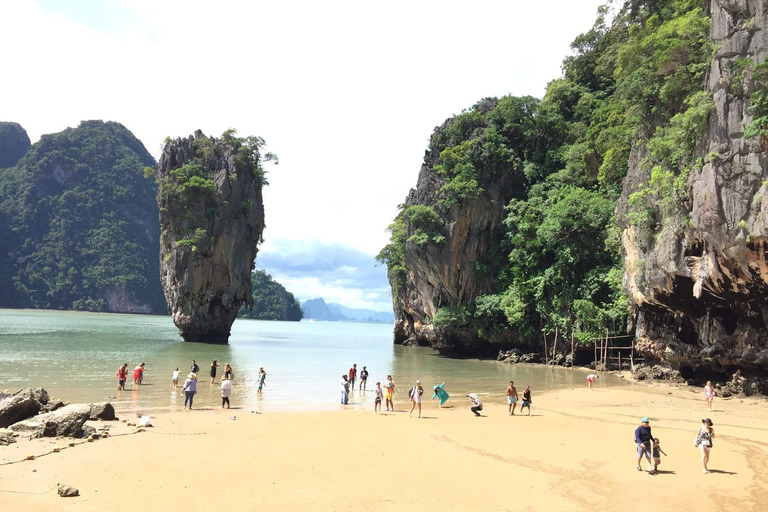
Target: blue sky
x=346, y=93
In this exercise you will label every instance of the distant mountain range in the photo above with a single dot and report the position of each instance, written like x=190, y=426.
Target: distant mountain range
x=318, y=309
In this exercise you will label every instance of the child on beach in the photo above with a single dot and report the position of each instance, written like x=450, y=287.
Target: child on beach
x=657, y=451
x=377, y=400
x=526, y=400
x=709, y=394
x=390, y=393
x=591, y=378
x=175, y=378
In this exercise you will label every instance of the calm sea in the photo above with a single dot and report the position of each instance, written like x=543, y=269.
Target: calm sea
x=75, y=356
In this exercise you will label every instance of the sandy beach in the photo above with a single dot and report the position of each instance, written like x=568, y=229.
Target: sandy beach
x=575, y=452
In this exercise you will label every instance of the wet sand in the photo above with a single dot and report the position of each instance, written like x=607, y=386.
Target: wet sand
x=575, y=452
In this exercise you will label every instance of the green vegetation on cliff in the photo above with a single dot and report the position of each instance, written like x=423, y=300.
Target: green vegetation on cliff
x=634, y=86
x=81, y=228
x=14, y=144
x=271, y=301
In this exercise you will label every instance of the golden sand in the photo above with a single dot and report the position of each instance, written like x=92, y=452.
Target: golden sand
x=575, y=452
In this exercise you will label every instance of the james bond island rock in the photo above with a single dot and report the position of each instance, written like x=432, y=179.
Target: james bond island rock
x=212, y=218
x=697, y=276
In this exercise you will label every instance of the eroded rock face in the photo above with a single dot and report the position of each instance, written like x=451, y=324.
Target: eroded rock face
x=212, y=218
x=445, y=274
x=21, y=405
x=700, y=292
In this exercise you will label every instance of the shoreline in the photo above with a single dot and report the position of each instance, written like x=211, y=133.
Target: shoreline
x=574, y=452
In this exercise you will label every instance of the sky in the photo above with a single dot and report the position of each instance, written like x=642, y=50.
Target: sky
x=346, y=93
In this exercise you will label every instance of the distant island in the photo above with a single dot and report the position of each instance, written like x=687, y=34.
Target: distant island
x=318, y=309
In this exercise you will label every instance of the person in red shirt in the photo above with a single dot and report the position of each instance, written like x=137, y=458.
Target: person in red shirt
x=122, y=375
x=352, y=376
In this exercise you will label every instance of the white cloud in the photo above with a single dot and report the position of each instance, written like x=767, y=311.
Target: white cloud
x=346, y=93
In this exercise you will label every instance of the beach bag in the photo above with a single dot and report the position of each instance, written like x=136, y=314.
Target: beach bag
x=410, y=393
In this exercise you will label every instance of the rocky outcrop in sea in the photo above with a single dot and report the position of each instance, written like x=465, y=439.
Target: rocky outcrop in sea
x=212, y=218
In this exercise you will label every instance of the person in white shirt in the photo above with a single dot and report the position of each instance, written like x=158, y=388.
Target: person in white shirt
x=175, y=378
x=477, y=405
x=226, y=390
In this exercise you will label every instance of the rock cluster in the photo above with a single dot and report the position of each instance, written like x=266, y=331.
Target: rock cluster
x=211, y=226
x=656, y=372
x=29, y=411
x=515, y=356
x=699, y=289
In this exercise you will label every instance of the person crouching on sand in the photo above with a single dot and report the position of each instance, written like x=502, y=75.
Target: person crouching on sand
x=477, y=405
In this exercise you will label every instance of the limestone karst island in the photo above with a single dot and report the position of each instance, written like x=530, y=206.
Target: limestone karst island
x=578, y=280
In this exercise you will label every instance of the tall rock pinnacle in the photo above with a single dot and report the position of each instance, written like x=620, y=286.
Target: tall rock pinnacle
x=212, y=219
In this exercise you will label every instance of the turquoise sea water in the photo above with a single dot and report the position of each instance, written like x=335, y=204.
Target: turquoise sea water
x=75, y=356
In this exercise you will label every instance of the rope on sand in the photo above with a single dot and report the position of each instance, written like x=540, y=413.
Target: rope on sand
x=30, y=492
x=55, y=450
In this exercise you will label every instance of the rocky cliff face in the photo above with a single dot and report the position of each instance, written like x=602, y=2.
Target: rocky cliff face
x=445, y=274
x=212, y=218
x=700, y=289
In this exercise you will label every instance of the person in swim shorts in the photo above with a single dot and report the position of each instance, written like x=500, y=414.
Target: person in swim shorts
x=591, y=378
x=377, y=400
x=122, y=375
x=363, y=379
x=512, y=398
x=526, y=400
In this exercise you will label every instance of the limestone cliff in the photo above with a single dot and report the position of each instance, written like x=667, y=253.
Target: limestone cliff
x=444, y=273
x=699, y=288
x=212, y=218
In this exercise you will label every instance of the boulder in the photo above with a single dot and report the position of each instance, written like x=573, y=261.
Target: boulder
x=6, y=437
x=52, y=406
x=102, y=411
x=21, y=405
x=67, y=421
x=65, y=491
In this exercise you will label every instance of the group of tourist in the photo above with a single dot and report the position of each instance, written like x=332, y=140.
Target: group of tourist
x=190, y=384
x=348, y=382
x=650, y=447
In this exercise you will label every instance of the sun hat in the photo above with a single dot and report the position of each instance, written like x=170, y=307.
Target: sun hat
x=644, y=420
x=707, y=420
x=192, y=376
x=418, y=382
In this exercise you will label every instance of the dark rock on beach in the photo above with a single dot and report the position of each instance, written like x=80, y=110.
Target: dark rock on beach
x=6, y=437
x=67, y=421
x=21, y=405
x=102, y=411
x=66, y=491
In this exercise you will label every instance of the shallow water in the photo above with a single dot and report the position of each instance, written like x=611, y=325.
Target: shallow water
x=75, y=356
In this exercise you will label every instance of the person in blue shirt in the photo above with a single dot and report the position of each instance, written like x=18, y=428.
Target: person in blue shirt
x=643, y=439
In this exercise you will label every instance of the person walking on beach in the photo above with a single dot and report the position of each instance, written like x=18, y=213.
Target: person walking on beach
x=138, y=374
x=352, y=376
x=512, y=398
x=389, y=393
x=122, y=376
x=377, y=400
x=643, y=438
x=477, y=405
x=344, y=390
x=228, y=373
x=261, y=378
x=190, y=388
x=709, y=394
x=591, y=378
x=214, y=365
x=194, y=368
x=657, y=451
x=416, y=393
x=704, y=441
x=527, y=401
x=175, y=378
x=226, y=391
x=363, y=379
